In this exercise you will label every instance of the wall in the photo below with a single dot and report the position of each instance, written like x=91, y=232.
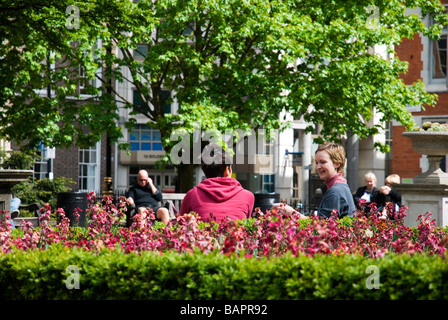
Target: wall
x=406, y=162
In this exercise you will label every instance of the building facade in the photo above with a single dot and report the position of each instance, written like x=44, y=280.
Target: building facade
x=288, y=169
x=427, y=61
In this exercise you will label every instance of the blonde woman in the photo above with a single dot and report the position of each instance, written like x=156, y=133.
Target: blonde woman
x=368, y=193
x=330, y=162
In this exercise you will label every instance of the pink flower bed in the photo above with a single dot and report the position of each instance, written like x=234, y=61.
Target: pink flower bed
x=270, y=234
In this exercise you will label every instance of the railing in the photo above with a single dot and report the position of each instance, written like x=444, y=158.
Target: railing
x=175, y=197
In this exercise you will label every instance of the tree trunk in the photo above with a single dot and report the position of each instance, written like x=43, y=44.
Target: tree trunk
x=185, y=174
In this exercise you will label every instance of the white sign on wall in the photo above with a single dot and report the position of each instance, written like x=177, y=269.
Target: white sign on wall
x=51, y=153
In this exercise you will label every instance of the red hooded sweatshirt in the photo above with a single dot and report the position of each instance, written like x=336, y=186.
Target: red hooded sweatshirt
x=220, y=196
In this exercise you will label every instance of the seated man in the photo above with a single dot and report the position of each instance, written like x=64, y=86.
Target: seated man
x=146, y=195
x=219, y=194
x=387, y=196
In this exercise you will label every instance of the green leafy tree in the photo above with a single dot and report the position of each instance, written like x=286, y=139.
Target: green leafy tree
x=231, y=64
x=42, y=191
x=42, y=67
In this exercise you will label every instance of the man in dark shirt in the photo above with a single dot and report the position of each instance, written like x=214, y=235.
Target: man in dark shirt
x=146, y=195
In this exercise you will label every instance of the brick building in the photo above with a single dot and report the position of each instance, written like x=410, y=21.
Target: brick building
x=427, y=62
x=86, y=167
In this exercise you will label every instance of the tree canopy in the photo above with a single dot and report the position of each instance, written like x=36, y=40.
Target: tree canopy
x=231, y=64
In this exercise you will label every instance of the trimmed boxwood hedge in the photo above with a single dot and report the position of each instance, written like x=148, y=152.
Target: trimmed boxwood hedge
x=113, y=275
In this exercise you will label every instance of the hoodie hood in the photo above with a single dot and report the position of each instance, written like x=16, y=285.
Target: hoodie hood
x=219, y=189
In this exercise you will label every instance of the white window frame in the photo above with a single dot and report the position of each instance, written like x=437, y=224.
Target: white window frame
x=41, y=164
x=437, y=84
x=95, y=164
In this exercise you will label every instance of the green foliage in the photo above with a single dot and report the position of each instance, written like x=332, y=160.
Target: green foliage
x=231, y=64
x=40, y=30
x=42, y=191
x=21, y=160
x=110, y=274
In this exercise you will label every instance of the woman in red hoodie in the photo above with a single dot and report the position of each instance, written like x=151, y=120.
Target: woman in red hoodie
x=219, y=195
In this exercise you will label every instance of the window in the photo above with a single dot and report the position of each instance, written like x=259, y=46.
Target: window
x=88, y=165
x=144, y=138
x=189, y=30
x=41, y=163
x=138, y=101
x=438, y=65
x=170, y=180
x=438, y=58
x=165, y=98
x=268, y=182
x=85, y=85
x=164, y=180
x=264, y=145
x=141, y=52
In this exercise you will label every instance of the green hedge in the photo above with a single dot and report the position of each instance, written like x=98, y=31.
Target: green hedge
x=114, y=275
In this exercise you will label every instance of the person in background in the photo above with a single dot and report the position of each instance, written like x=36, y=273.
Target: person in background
x=219, y=195
x=368, y=193
x=389, y=196
x=146, y=195
x=14, y=212
x=330, y=163
x=315, y=202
